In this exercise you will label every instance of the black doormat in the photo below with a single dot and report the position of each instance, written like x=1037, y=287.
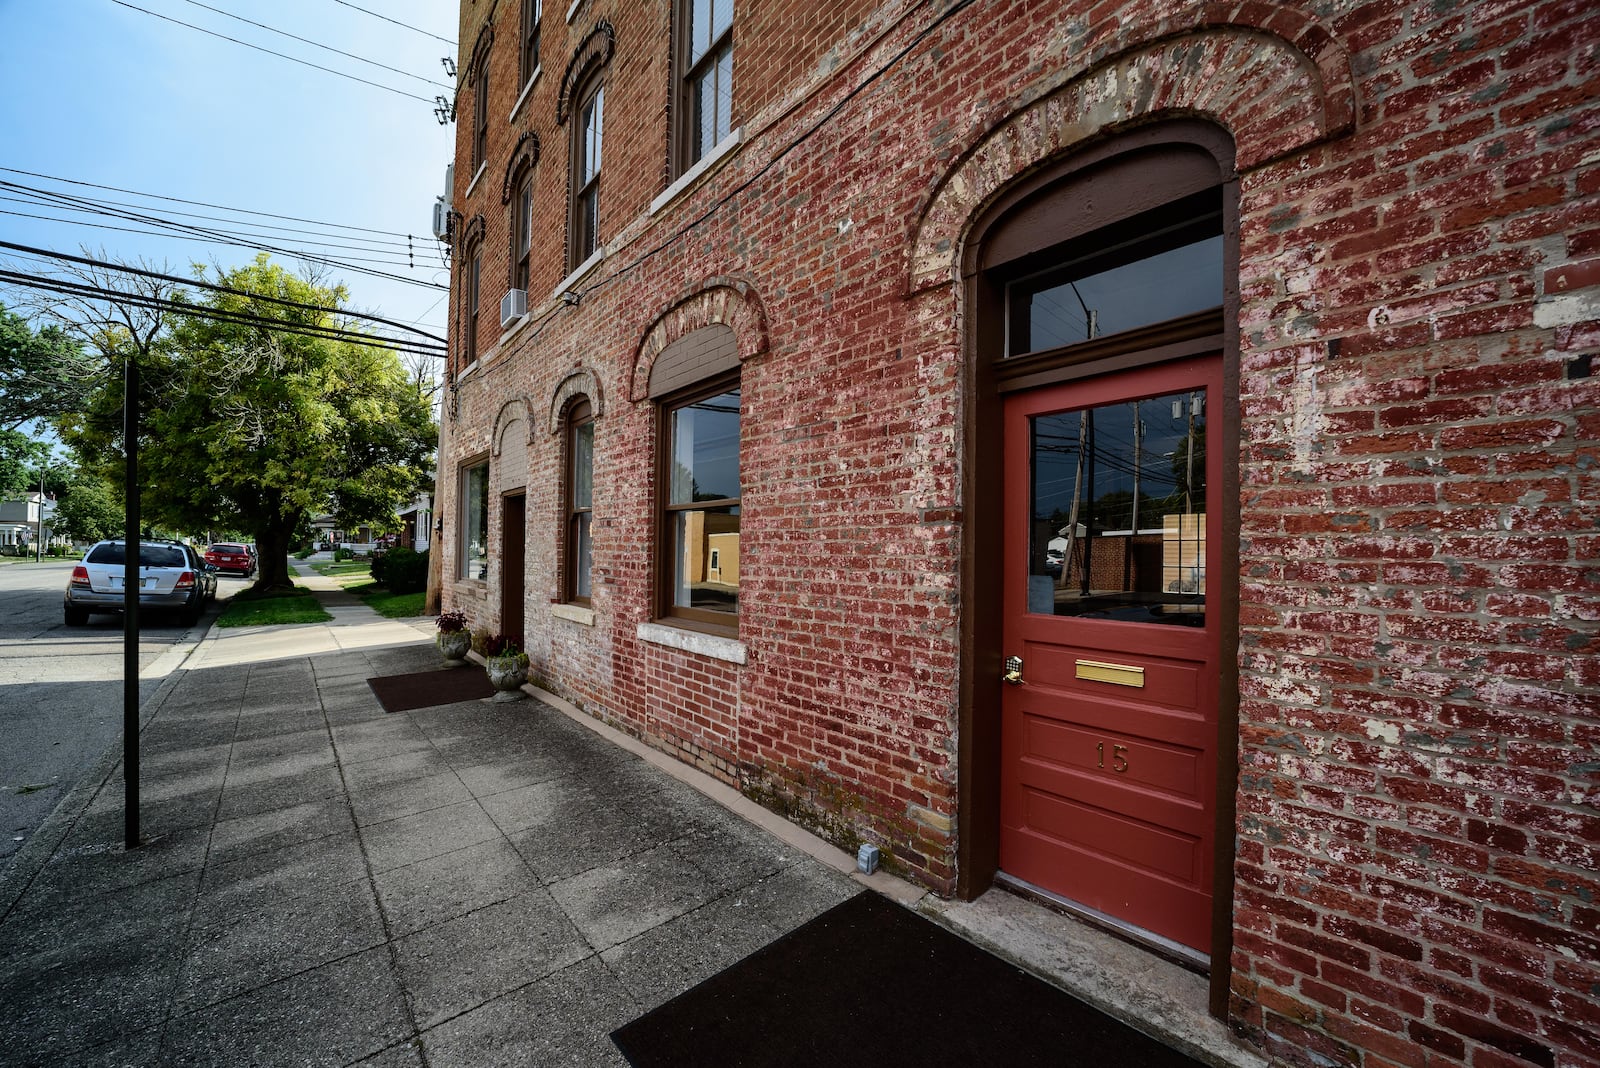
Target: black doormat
x=399, y=693
x=870, y=982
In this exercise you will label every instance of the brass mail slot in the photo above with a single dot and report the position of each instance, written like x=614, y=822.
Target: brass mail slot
x=1116, y=674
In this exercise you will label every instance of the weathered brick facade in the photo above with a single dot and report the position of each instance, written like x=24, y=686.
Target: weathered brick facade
x=1413, y=871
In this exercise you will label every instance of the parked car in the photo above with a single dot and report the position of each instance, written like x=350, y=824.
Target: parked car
x=172, y=577
x=232, y=556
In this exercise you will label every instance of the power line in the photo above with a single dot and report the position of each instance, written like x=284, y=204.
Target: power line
x=154, y=303
x=402, y=25
x=221, y=237
x=317, y=44
x=143, y=273
x=270, y=52
x=348, y=262
x=401, y=254
x=199, y=203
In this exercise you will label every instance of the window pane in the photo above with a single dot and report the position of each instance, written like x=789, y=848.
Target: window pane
x=700, y=35
x=593, y=128
x=475, y=524
x=1119, y=508
x=721, y=18
x=582, y=548
x=724, y=95
x=524, y=218
x=583, y=466
x=1119, y=285
x=705, y=551
x=705, y=450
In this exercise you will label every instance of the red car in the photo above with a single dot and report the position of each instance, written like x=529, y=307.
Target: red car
x=231, y=556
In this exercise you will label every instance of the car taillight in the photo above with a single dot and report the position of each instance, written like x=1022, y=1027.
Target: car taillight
x=80, y=576
x=185, y=581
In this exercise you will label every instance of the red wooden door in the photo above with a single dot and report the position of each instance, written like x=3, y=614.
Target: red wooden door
x=1109, y=725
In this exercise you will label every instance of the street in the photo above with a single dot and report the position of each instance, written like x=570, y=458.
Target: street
x=61, y=688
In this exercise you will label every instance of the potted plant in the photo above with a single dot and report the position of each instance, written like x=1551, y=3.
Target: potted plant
x=507, y=666
x=453, y=639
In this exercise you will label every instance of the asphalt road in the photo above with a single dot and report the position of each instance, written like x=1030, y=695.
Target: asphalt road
x=61, y=688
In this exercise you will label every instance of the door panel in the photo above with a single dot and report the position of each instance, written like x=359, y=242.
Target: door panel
x=1109, y=735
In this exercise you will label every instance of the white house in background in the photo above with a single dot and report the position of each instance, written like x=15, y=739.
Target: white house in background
x=415, y=531
x=20, y=520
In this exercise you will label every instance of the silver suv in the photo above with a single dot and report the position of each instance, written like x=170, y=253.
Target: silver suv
x=171, y=576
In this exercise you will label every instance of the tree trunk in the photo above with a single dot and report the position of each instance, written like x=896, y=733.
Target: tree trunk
x=272, y=552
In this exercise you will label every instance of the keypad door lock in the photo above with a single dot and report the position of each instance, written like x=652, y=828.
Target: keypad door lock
x=1013, y=673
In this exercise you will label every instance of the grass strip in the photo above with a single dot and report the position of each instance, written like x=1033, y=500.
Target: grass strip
x=389, y=604
x=248, y=609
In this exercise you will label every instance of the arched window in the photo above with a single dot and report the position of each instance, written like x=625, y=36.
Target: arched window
x=695, y=381
x=578, y=554
x=588, y=134
x=469, y=323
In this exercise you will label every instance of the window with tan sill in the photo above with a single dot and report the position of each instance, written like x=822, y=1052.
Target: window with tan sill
x=704, y=62
x=588, y=135
x=579, y=535
x=472, y=556
x=700, y=507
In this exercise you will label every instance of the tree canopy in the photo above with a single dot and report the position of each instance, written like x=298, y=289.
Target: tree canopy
x=246, y=427
x=43, y=373
x=20, y=457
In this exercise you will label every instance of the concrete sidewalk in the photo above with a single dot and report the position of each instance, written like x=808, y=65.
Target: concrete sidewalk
x=478, y=883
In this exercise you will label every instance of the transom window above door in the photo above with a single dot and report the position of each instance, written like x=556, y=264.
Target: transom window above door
x=1154, y=267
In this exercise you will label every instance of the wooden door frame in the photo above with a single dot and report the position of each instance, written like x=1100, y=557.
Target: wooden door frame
x=986, y=379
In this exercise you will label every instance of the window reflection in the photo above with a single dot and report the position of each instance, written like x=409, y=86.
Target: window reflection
x=1119, y=507
x=474, y=560
x=1111, y=282
x=703, y=505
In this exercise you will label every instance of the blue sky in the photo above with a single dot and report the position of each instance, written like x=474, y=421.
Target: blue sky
x=95, y=91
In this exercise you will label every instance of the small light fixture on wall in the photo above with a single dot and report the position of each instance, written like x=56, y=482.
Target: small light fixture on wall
x=570, y=298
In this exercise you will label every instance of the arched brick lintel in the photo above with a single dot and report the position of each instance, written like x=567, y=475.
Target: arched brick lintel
x=580, y=383
x=1272, y=78
x=729, y=301
x=510, y=412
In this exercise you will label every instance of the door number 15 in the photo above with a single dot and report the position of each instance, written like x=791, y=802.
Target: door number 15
x=1119, y=757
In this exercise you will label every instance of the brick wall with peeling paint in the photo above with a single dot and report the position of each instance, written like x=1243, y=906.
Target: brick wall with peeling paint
x=1419, y=283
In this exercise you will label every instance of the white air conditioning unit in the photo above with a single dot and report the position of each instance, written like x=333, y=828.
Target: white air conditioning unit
x=441, y=219
x=513, y=306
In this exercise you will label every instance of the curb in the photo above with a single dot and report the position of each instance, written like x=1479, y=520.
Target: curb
x=27, y=862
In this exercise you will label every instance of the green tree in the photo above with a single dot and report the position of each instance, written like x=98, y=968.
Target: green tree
x=248, y=426
x=42, y=374
x=20, y=457
x=90, y=509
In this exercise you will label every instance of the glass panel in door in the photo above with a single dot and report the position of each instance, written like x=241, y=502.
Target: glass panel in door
x=1118, y=511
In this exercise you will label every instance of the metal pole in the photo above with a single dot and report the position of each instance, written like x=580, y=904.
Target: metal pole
x=131, y=581
x=38, y=547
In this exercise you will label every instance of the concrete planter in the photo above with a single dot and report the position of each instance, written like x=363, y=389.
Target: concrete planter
x=506, y=675
x=453, y=646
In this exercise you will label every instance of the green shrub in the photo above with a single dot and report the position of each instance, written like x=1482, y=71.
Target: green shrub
x=401, y=570
x=341, y=553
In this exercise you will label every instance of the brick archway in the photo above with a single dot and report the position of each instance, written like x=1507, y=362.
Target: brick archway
x=1278, y=84
x=580, y=383
x=728, y=301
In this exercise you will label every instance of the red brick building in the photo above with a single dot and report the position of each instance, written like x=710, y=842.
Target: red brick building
x=1143, y=455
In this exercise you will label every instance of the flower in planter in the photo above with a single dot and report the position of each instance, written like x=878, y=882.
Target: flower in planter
x=453, y=638
x=506, y=664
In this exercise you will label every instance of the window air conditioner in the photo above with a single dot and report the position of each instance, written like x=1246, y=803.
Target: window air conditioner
x=513, y=306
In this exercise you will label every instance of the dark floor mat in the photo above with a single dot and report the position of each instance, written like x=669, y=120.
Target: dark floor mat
x=398, y=693
x=870, y=982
